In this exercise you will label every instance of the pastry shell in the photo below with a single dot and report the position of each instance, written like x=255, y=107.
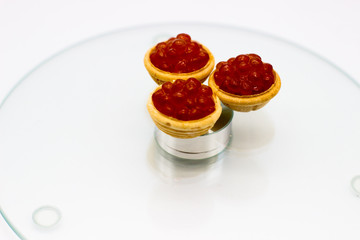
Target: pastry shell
x=161, y=76
x=184, y=129
x=246, y=103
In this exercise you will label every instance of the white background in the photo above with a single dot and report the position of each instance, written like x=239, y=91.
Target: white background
x=32, y=30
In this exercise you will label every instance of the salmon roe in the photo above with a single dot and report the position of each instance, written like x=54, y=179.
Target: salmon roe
x=179, y=55
x=245, y=74
x=184, y=99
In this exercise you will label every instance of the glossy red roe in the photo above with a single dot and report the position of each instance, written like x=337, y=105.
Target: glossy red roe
x=184, y=99
x=245, y=74
x=179, y=55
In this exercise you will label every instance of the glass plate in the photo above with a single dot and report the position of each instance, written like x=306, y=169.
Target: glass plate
x=79, y=160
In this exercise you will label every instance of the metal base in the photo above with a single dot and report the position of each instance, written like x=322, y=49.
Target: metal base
x=205, y=146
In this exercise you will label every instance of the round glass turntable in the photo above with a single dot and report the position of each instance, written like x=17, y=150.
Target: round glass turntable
x=78, y=158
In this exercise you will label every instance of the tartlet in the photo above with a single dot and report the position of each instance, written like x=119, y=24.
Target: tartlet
x=247, y=102
x=184, y=128
x=161, y=76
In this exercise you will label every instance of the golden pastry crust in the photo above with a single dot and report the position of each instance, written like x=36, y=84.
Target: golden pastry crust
x=246, y=103
x=184, y=129
x=161, y=76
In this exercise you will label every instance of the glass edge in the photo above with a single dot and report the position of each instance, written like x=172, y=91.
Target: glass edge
x=294, y=44
x=9, y=223
x=159, y=24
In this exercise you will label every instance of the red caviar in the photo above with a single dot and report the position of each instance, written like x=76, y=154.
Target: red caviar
x=245, y=74
x=184, y=99
x=179, y=55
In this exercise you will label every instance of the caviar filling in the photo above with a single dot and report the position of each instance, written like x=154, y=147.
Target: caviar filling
x=179, y=55
x=244, y=75
x=184, y=100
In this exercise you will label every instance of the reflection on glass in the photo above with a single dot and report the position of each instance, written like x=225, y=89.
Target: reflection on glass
x=178, y=170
